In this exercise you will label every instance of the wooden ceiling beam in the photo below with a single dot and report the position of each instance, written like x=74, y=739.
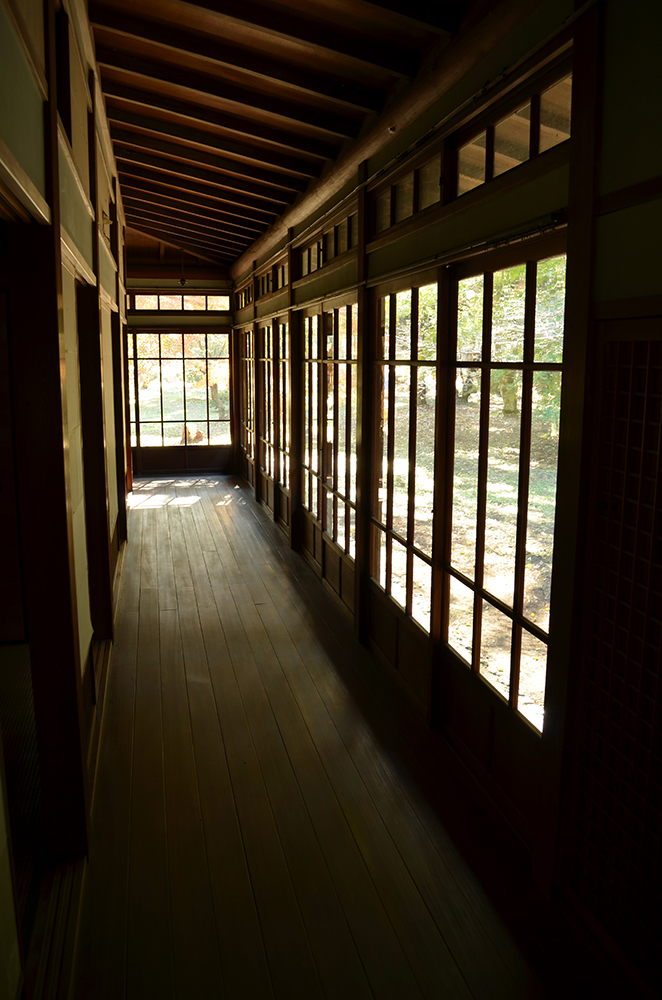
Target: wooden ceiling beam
x=117, y=29
x=249, y=103
x=199, y=137
x=226, y=186
x=155, y=234
x=315, y=33
x=162, y=222
x=190, y=233
x=182, y=188
x=229, y=168
x=198, y=214
x=197, y=113
x=169, y=193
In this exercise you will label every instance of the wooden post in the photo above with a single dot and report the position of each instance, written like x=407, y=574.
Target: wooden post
x=363, y=428
x=94, y=461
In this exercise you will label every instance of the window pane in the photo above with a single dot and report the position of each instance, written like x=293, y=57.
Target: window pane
x=471, y=164
x=399, y=573
x=467, y=424
x=134, y=437
x=218, y=389
x=149, y=391
x=460, y=619
x=542, y=496
x=194, y=345
x=196, y=302
x=171, y=345
x=147, y=301
x=352, y=373
x=403, y=325
x=495, y=648
x=427, y=323
x=219, y=303
x=401, y=450
x=219, y=432
x=173, y=434
x=502, y=484
x=342, y=333
x=378, y=545
x=550, y=310
x=355, y=331
x=383, y=211
x=341, y=433
x=172, y=378
x=147, y=345
x=404, y=198
x=218, y=345
x=132, y=389
x=555, y=114
x=170, y=302
x=314, y=417
x=511, y=140
x=381, y=444
x=508, y=301
x=532, y=673
x=421, y=592
x=352, y=532
x=328, y=523
x=150, y=435
x=470, y=319
x=425, y=439
x=196, y=390
x=429, y=190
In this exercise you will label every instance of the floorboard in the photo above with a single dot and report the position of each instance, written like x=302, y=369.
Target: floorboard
x=259, y=829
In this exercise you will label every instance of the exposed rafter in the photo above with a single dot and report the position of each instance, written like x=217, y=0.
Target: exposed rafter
x=223, y=115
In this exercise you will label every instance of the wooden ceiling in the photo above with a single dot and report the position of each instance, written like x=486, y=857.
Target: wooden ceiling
x=223, y=111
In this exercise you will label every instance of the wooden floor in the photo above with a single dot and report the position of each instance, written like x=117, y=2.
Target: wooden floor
x=255, y=836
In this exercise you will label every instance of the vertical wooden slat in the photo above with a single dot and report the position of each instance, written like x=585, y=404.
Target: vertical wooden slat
x=577, y=412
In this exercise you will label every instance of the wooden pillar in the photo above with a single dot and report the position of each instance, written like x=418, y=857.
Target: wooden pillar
x=94, y=461
x=119, y=400
x=296, y=426
x=36, y=335
x=12, y=615
x=257, y=410
x=577, y=415
x=363, y=430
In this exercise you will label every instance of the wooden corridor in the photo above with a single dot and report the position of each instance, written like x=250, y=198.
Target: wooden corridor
x=258, y=831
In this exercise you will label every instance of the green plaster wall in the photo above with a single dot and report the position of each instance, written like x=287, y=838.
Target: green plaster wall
x=627, y=262
x=21, y=107
x=107, y=271
x=75, y=216
x=632, y=111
